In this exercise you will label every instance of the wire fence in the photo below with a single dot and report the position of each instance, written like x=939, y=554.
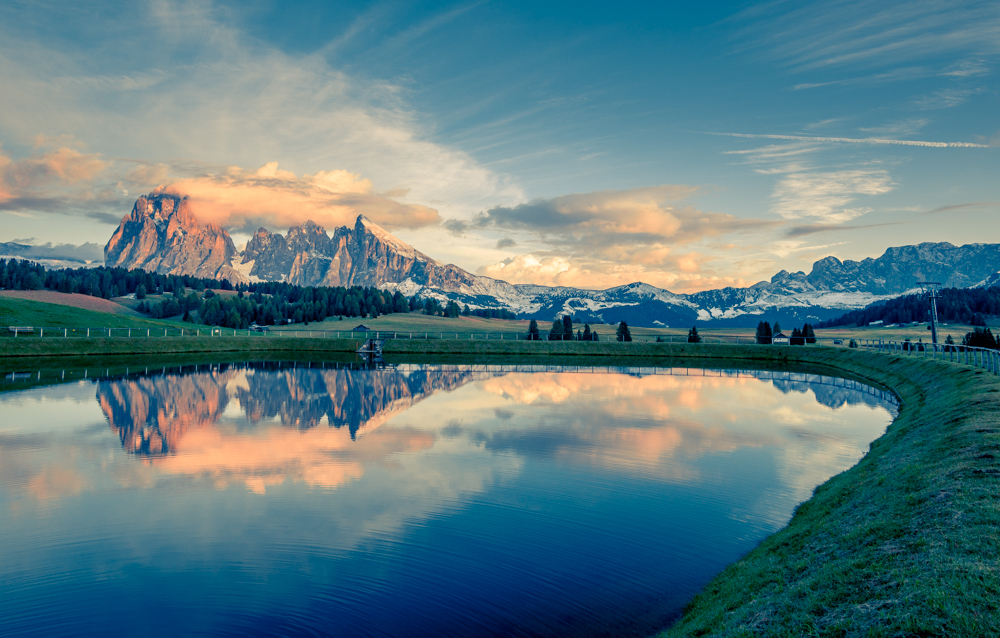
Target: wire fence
x=207, y=331
x=983, y=358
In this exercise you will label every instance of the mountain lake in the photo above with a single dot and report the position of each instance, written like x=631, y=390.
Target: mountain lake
x=410, y=500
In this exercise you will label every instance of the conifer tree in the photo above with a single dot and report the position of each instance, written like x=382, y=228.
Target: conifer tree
x=556, y=333
x=807, y=332
x=693, y=336
x=623, y=333
x=567, y=327
x=586, y=332
x=533, y=331
x=763, y=332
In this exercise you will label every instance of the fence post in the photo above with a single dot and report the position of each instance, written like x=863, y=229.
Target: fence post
x=65, y=332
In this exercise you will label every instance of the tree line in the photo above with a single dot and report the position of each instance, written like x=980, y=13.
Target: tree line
x=263, y=303
x=799, y=336
x=21, y=274
x=562, y=330
x=956, y=305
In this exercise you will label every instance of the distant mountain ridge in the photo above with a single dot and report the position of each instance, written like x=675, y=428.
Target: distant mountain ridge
x=161, y=235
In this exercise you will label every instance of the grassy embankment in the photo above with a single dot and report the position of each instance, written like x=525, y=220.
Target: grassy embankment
x=903, y=544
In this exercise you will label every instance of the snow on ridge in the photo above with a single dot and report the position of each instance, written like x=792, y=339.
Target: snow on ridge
x=245, y=268
x=396, y=244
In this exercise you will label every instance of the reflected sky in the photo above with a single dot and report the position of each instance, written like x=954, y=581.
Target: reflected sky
x=410, y=500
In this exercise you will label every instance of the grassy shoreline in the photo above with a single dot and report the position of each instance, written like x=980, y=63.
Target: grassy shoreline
x=904, y=543
x=102, y=346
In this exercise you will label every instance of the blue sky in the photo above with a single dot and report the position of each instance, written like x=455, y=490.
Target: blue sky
x=583, y=144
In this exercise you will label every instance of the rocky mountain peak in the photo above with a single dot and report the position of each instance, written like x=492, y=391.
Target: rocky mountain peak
x=162, y=235
x=792, y=281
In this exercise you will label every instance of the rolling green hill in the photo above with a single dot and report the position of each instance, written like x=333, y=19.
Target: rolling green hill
x=23, y=312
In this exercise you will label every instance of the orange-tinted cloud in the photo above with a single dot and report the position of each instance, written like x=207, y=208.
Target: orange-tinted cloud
x=648, y=216
x=244, y=200
x=611, y=238
x=679, y=418
x=55, y=482
x=25, y=177
x=658, y=267
x=319, y=457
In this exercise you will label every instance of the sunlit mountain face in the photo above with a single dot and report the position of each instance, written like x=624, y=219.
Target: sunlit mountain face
x=406, y=500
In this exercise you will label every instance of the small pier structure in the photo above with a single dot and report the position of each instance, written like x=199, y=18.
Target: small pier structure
x=371, y=350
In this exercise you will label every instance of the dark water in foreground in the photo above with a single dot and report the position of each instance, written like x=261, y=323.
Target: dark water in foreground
x=415, y=501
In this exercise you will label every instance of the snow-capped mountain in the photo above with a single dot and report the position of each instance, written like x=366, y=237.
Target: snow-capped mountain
x=161, y=235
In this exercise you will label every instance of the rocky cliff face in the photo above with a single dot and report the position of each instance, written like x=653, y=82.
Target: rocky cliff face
x=365, y=255
x=900, y=268
x=161, y=235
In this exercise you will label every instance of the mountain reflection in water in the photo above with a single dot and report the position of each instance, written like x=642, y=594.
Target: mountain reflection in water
x=408, y=500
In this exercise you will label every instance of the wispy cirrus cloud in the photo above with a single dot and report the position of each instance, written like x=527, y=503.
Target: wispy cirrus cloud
x=856, y=33
x=805, y=190
x=959, y=70
x=854, y=140
x=946, y=98
x=827, y=195
x=951, y=208
x=811, y=229
x=908, y=126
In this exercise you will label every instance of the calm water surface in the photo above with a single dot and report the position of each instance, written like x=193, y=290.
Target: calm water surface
x=409, y=501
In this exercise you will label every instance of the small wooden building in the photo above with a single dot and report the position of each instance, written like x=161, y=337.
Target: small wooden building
x=361, y=328
x=779, y=339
